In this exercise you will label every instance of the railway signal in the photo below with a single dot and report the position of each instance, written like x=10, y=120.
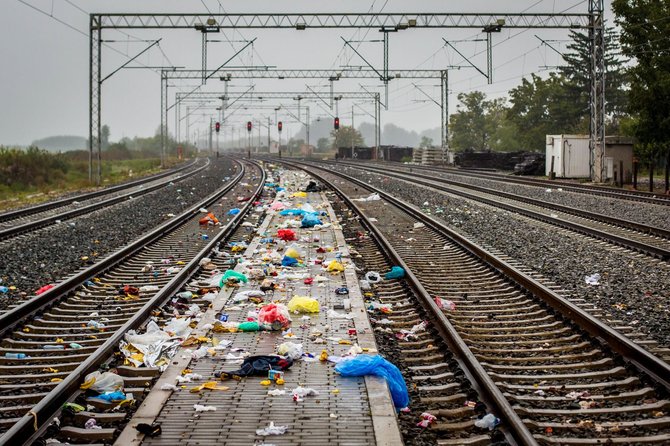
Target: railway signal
x=217, y=127
x=249, y=126
x=336, y=124
x=279, y=126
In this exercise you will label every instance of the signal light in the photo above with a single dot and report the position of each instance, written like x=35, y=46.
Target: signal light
x=279, y=126
x=248, y=126
x=336, y=124
x=217, y=127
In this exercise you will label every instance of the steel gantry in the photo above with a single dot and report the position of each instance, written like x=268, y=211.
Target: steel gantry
x=201, y=99
x=592, y=21
x=229, y=73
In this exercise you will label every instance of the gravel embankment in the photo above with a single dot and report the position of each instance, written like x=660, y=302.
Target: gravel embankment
x=49, y=255
x=648, y=214
x=634, y=288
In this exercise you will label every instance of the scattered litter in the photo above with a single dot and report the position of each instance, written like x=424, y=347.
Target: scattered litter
x=272, y=429
x=373, y=197
x=426, y=420
x=362, y=365
x=445, y=304
x=303, y=304
x=373, y=277
x=488, y=421
x=419, y=225
x=276, y=392
x=259, y=366
x=395, y=273
x=168, y=386
x=593, y=279
x=201, y=408
x=301, y=392
x=91, y=424
x=290, y=349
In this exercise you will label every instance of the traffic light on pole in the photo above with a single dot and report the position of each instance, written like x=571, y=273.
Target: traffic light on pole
x=248, y=126
x=217, y=127
x=279, y=126
x=336, y=124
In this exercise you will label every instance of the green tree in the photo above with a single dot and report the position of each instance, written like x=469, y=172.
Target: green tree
x=346, y=137
x=468, y=125
x=576, y=82
x=644, y=30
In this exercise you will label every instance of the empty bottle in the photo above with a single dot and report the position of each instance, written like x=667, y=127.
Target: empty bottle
x=15, y=355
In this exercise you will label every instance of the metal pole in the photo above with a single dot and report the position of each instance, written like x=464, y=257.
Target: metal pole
x=376, y=134
x=386, y=68
x=211, y=148
x=188, y=127
x=379, y=119
x=307, y=130
x=353, y=129
x=597, y=91
x=268, y=134
x=445, y=115
x=164, y=112
x=204, y=57
x=489, y=57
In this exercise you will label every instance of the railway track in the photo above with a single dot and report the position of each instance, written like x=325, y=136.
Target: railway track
x=551, y=371
x=623, y=194
x=30, y=219
x=643, y=238
x=50, y=343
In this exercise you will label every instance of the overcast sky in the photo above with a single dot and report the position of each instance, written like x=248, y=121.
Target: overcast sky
x=44, y=63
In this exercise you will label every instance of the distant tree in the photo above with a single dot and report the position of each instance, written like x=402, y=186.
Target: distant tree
x=346, y=137
x=468, y=127
x=104, y=137
x=323, y=144
x=426, y=142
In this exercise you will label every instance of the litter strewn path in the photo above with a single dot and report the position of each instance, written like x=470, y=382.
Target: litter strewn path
x=311, y=403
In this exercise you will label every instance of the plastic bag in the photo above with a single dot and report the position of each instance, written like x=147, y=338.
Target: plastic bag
x=292, y=251
x=286, y=212
x=488, y=421
x=288, y=261
x=102, y=382
x=362, y=365
x=445, y=304
x=286, y=235
x=259, y=366
x=299, y=195
x=335, y=266
x=310, y=220
x=274, y=317
x=303, y=304
x=290, y=349
x=395, y=273
x=230, y=274
x=248, y=326
x=233, y=211
x=373, y=277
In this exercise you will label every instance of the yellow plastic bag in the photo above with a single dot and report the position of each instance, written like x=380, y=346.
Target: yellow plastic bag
x=335, y=266
x=299, y=195
x=292, y=252
x=303, y=304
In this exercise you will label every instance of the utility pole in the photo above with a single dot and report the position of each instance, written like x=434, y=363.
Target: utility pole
x=307, y=130
x=268, y=134
x=211, y=148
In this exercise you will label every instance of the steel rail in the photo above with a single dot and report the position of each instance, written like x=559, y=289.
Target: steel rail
x=24, y=430
x=627, y=224
x=622, y=194
x=19, y=213
x=44, y=222
x=646, y=362
x=492, y=394
x=37, y=304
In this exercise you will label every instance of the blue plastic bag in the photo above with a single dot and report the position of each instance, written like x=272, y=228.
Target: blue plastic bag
x=310, y=220
x=286, y=212
x=112, y=396
x=288, y=261
x=234, y=211
x=362, y=365
x=395, y=273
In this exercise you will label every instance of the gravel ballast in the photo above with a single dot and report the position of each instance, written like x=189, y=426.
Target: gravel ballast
x=633, y=287
x=645, y=213
x=51, y=254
